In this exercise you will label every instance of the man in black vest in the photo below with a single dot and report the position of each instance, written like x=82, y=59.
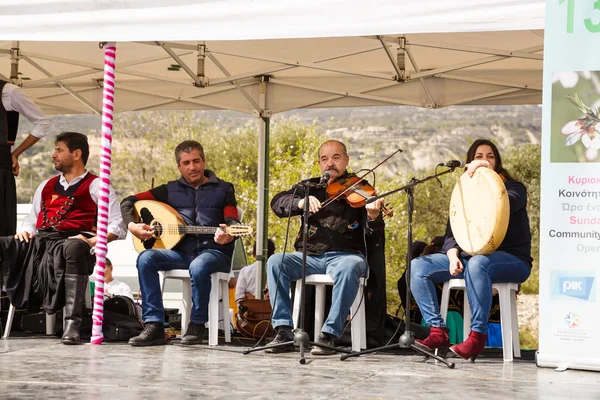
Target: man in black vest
x=201, y=199
x=13, y=103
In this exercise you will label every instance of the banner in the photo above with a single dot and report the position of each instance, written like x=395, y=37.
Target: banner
x=570, y=198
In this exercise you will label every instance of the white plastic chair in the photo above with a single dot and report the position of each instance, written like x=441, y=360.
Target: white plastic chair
x=509, y=319
x=50, y=319
x=219, y=281
x=358, y=329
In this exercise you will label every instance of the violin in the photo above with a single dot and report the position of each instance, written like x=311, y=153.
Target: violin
x=355, y=191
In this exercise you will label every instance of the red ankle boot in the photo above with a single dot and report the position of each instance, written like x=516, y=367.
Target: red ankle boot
x=437, y=339
x=472, y=347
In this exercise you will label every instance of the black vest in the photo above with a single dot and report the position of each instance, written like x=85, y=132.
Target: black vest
x=9, y=122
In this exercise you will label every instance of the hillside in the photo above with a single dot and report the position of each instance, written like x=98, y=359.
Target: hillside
x=426, y=137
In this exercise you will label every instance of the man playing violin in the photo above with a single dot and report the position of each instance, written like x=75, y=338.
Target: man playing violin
x=337, y=235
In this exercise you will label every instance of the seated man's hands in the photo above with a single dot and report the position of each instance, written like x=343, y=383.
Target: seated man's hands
x=373, y=209
x=24, y=236
x=90, y=241
x=314, y=204
x=141, y=231
x=221, y=237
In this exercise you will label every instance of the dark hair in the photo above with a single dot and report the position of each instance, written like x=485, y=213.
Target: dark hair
x=417, y=249
x=75, y=141
x=434, y=246
x=187, y=146
x=270, y=248
x=483, y=142
x=108, y=262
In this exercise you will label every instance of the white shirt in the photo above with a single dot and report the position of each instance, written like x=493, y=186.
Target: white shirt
x=117, y=288
x=115, y=220
x=14, y=99
x=246, y=282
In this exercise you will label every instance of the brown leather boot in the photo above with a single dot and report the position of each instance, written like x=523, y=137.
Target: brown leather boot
x=472, y=347
x=437, y=339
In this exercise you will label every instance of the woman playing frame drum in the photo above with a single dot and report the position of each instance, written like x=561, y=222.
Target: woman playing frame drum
x=509, y=262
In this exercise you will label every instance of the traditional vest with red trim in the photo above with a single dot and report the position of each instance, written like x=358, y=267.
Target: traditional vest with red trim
x=71, y=209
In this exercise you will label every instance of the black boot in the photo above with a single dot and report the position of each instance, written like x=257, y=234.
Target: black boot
x=194, y=334
x=74, y=302
x=152, y=335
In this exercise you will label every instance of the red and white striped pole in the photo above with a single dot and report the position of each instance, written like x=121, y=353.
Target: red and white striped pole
x=108, y=99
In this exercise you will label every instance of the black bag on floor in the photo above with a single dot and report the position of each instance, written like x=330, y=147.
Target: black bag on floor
x=120, y=320
x=118, y=327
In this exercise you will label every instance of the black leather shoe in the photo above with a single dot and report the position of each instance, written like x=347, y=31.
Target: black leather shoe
x=152, y=335
x=326, y=339
x=194, y=334
x=283, y=335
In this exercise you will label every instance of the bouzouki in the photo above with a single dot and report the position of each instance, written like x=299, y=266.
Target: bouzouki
x=169, y=227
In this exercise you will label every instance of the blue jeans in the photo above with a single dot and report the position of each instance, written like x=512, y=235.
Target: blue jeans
x=149, y=262
x=346, y=269
x=479, y=274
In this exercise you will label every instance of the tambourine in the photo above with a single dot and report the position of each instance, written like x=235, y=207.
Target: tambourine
x=479, y=211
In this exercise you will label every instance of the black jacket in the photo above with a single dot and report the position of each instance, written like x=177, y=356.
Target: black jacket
x=336, y=227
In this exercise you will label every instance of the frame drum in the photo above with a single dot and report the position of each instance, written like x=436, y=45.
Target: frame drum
x=479, y=211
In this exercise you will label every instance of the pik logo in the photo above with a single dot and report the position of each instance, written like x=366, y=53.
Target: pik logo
x=578, y=287
x=572, y=320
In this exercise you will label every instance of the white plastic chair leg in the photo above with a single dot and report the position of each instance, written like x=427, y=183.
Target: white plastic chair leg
x=319, y=309
x=515, y=324
x=466, y=316
x=225, y=306
x=186, y=300
x=213, y=312
x=506, y=323
x=296, y=310
x=359, y=341
x=445, y=301
x=50, y=324
x=9, y=321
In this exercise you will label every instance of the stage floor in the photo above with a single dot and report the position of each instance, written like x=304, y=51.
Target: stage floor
x=38, y=367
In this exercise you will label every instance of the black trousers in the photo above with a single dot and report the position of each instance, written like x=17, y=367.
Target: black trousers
x=36, y=270
x=8, y=203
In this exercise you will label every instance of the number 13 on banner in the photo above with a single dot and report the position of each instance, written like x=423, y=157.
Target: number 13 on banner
x=589, y=24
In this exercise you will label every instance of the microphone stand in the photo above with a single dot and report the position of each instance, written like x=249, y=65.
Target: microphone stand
x=301, y=338
x=407, y=339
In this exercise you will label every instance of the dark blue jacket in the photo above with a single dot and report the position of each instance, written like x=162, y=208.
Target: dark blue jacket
x=213, y=203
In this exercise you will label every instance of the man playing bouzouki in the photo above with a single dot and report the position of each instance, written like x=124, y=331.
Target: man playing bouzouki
x=201, y=199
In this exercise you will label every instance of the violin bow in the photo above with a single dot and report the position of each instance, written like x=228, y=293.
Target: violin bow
x=360, y=178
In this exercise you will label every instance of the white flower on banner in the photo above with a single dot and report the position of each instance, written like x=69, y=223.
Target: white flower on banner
x=586, y=128
x=569, y=79
x=591, y=154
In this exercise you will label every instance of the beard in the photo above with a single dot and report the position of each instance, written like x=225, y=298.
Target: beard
x=64, y=166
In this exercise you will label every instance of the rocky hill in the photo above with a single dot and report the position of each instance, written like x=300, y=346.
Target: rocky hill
x=426, y=137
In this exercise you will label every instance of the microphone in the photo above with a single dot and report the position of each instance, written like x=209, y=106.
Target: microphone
x=452, y=164
x=325, y=178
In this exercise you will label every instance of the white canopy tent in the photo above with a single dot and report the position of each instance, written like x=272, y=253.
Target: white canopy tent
x=265, y=57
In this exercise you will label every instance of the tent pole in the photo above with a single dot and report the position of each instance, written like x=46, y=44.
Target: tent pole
x=101, y=248
x=262, y=212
